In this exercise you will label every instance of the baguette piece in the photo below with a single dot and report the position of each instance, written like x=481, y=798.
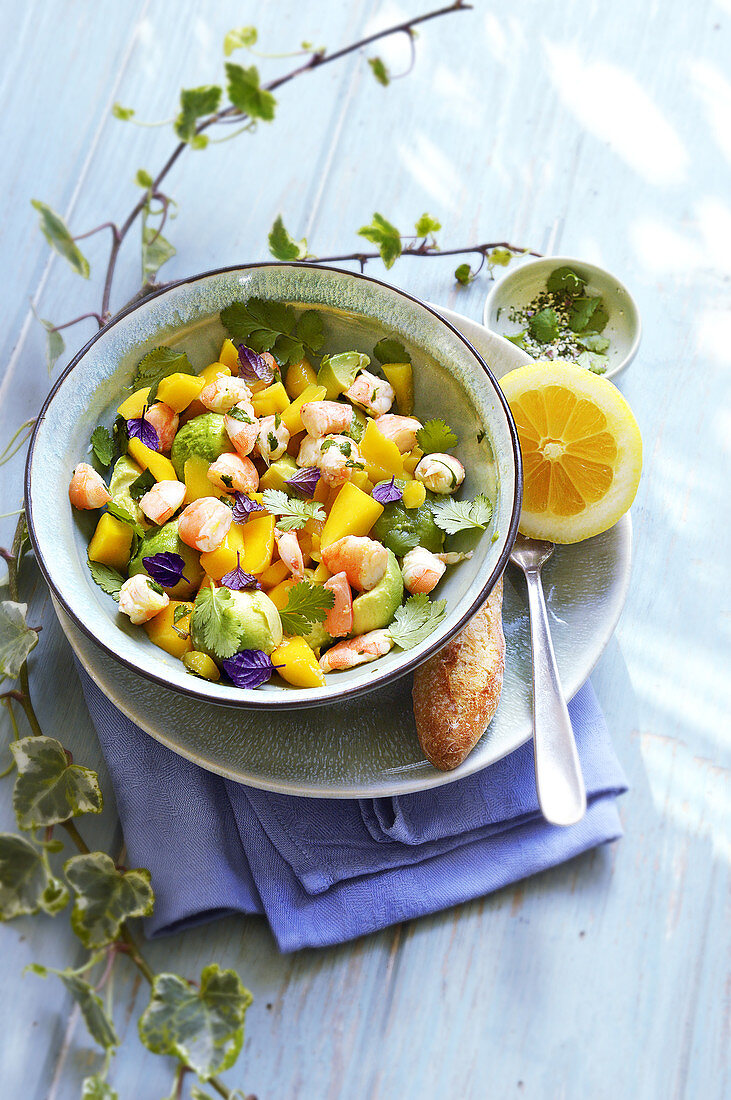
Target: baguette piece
x=457, y=691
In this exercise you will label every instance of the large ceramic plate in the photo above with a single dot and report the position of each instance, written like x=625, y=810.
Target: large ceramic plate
x=368, y=747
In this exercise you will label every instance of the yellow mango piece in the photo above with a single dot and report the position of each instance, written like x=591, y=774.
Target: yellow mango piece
x=291, y=416
x=411, y=459
x=275, y=574
x=321, y=574
x=229, y=356
x=178, y=390
x=401, y=377
x=361, y=479
x=195, y=476
x=414, y=494
x=299, y=376
x=298, y=664
x=271, y=400
x=208, y=374
x=163, y=630
x=160, y=467
x=223, y=560
x=111, y=542
x=131, y=408
x=353, y=513
x=321, y=491
x=382, y=457
x=258, y=543
x=200, y=664
x=280, y=593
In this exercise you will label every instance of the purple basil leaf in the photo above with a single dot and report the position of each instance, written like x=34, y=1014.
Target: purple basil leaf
x=249, y=668
x=387, y=492
x=253, y=367
x=244, y=506
x=238, y=579
x=166, y=568
x=139, y=428
x=305, y=480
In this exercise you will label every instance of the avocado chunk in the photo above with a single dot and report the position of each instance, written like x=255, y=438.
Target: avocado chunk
x=375, y=609
x=279, y=471
x=160, y=540
x=124, y=473
x=337, y=372
x=401, y=529
x=204, y=435
x=257, y=620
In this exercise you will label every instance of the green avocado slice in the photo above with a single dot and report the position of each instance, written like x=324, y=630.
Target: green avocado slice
x=124, y=473
x=165, y=539
x=337, y=372
x=204, y=435
x=375, y=609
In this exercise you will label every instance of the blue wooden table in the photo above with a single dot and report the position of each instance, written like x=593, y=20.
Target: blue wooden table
x=600, y=131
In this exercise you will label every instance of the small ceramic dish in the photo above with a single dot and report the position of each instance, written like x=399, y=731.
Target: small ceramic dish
x=520, y=286
x=451, y=380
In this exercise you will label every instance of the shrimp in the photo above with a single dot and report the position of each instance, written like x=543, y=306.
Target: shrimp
x=204, y=524
x=162, y=500
x=224, y=392
x=401, y=430
x=165, y=422
x=322, y=418
x=373, y=394
x=232, y=473
x=356, y=651
x=339, y=618
x=139, y=600
x=440, y=473
x=272, y=439
x=363, y=560
x=290, y=552
x=242, y=427
x=335, y=456
x=87, y=488
x=422, y=570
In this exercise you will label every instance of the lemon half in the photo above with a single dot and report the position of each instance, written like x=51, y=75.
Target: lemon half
x=581, y=446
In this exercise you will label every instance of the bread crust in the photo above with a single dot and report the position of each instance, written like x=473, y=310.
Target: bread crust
x=457, y=691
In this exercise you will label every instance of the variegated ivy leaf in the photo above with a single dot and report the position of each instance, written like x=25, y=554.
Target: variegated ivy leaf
x=105, y=897
x=57, y=234
x=96, y=1088
x=96, y=1019
x=156, y=251
x=203, y=1027
x=16, y=638
x=26, y=882
x=49, y=789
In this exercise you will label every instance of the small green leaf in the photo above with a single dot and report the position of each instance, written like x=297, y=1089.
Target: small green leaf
x=143, y=179
x=544, y=325
x=246, y=93
x=415, y=620
x=96, y=1088
x=269, y=326
x=565, y=280
x=203, y=1027
x=55, y=344
x=105, y=897
x=49, y=789
x=436, y=437
x=142, y=485
x=592, y=341
x=158, y=364
x=310, y=329
x=199, y=141
x=120, y=512
x=499, y=257
x=156, y=251
x=518, y=339
x=462, y=515
x=26, y=883
x=57, y=234
x=109, y=580
x=16, y=638
x=282, y=245
x=240, y=38
x=124, y=114
x=379, y=70
x=96, y=1019
x=581, y=312
x=306, y=605
x=389, y=350
x=463, y=274
x=386, y=236
x=195, y=103
x=426, y=225
x=216, y=621
x=102, y=444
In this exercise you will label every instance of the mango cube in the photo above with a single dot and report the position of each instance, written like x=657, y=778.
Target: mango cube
x=291, y=416
x=160, y=467
x=401, y=377
x=353, y=513
x=111, y=543
x=165, y=633
x=229, y=356
x=298, y=664
x=299, y=376
x=272, y=400
x=382, y=457
x=131, y=408
x=195, y=476
x=274, y=575
x=178, y=390
x=414, y=494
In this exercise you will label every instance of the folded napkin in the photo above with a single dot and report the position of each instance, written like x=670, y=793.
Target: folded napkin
x=327, y=870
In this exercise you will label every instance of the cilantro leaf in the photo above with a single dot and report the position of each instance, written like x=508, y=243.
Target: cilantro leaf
x=274, y=327
x=215, y=617
x=435, y=436
x=124, y=516
x=16, y=638
x=544, y=325
x=105, y=897
x=581, y=312
x=158, y=364
x=592, y=341
x=389, y=350
x=195, y=103
x=57, y=233
x=307, y=604
x=156, y=251
x=282, y=244
x=415, y=620
x=239, y=38
x=462, y=515
x=141, y=485
x=565, y=280
x=181, y=611
x=426, y=225
x=246, y=93
x=26, y=882
x=386, y=236
x=98, y=1022
x=102, y=445
x=379, y=70
x=599, y=317
x=310, y=329
x=109, y=580
x=291, y=512
x=49, y=789
x=463, y=274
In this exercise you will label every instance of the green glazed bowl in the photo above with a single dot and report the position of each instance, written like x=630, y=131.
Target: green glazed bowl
x=451, y=381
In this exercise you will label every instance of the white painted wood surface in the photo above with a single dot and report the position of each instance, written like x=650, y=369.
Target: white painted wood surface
x=600, y=130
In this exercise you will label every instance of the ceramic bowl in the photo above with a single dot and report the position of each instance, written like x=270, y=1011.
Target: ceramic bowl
x=524, y=282
x=451, y=381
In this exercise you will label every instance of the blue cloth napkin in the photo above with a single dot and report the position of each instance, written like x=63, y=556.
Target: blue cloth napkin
x=327, y=870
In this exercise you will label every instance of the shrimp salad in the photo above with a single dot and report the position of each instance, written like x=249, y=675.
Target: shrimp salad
x=266, y=517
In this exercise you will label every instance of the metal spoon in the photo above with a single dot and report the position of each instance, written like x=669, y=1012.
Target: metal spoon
x=559, y=782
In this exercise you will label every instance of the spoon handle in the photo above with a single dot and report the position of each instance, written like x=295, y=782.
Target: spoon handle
x=559, y=781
